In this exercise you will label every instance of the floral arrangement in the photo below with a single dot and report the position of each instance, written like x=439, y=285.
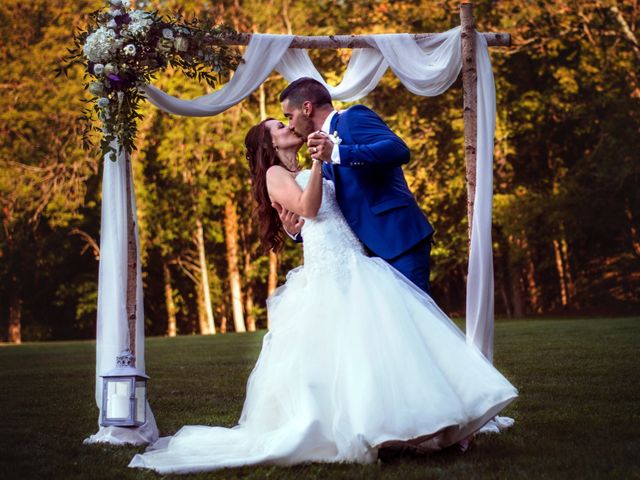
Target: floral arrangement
x=121, y=50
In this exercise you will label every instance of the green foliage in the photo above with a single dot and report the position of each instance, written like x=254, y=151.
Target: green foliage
x=141, y=45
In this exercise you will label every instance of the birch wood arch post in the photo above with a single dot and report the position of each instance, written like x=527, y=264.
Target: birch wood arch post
x=470, y=105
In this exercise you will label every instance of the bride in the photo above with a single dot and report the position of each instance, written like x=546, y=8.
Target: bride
x=357, y=358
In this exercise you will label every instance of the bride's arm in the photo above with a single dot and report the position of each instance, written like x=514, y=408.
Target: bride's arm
x=284, y=190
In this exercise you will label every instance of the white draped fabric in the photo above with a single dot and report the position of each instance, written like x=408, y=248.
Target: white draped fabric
x=428, y=68
x=260, y=58
x=112, y=336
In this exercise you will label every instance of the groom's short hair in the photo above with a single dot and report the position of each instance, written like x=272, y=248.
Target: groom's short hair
x=306, y=89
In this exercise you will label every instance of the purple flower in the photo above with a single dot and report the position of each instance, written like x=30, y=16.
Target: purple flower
x=90, y=66
x=122, y=19
x=116, y=82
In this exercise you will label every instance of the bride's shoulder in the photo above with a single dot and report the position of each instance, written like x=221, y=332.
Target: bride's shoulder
x=278, y=176
x=277, y=171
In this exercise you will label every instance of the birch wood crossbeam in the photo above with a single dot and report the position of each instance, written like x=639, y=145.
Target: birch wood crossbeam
x=349, y=41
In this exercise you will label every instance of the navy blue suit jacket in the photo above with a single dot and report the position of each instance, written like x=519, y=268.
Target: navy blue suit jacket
x=370, y=186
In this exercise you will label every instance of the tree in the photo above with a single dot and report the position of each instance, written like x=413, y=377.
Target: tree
x=43, y=174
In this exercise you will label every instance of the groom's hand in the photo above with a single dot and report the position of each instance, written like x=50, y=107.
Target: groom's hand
x=291, y=222
x=320, y=146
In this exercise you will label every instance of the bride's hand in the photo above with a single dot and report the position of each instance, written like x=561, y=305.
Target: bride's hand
x=291, y=222
x=320, y=146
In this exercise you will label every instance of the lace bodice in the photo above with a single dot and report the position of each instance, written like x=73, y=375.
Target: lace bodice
x=329, y=242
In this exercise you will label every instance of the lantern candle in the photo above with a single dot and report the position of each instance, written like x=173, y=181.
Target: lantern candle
x=124, y=394
x=119, y=406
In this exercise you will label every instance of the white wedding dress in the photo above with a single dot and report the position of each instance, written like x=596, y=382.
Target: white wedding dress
x=356, y=356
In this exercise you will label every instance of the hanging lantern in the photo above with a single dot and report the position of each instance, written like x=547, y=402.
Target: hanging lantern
x=124, y=394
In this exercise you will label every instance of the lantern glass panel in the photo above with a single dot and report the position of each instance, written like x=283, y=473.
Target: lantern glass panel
x=141, y=402
x=118, y=398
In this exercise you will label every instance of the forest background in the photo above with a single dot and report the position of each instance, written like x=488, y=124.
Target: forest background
x=567, y=167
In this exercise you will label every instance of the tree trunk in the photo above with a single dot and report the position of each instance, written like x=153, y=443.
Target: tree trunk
x=560, y=268
x=626, y=29
x=202, y=314
x=171, y=306
x=532, y=285
x=513, y=279
x=245, y=229
x=231, y=240
x=571, y=289
x=207, y=326
x=262, y=102
x=248, y=304
x=505, y=299
x=272, y=279
x=516, y=292
x=285, y=16
x=506, y=280
x=633, y=230
x=223, y=317
x=15, y=320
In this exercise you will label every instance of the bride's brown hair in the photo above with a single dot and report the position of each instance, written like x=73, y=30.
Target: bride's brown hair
x=261, y=155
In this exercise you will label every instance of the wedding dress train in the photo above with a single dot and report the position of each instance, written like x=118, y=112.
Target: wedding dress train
x=356, y=356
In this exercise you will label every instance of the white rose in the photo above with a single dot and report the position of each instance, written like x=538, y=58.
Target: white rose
x=98, y=69
x=182, y=44
x=103, y=102
x=110, y=68
x=130, y=49
x=97, y=47
x=138, y=15
x=96, y=88
x=141, y=21
x=126, y=3
x=167, y=33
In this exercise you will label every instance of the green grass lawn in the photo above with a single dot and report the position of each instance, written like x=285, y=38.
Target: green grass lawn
x=578, y=415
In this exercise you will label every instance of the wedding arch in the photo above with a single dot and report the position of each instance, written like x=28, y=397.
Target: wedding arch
x=427, y=65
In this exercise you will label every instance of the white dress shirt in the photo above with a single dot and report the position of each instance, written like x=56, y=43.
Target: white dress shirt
x=326, y=126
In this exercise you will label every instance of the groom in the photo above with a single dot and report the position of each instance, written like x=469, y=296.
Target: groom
x=363, y=158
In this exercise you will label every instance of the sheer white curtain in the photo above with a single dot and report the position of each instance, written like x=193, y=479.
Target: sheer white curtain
x=112, y=335
x=428, y=68
x=260, y=58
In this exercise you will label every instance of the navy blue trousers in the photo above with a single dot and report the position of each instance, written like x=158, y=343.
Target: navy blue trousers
x=415, y=264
